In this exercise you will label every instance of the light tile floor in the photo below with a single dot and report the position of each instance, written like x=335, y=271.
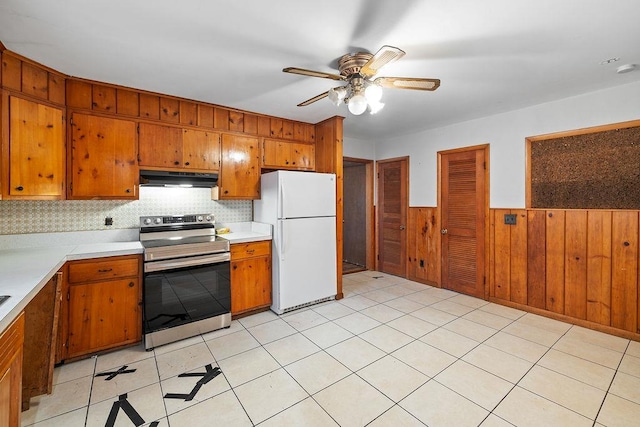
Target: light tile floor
x=392, y=353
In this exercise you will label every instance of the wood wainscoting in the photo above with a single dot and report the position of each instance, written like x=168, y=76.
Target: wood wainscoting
x=423, y=251
x=579, y=266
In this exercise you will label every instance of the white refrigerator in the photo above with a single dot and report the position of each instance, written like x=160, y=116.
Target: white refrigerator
x=301, y=206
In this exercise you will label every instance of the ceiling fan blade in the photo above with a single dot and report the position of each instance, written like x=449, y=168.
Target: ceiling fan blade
x=312, y=73
x=408, y=83
x=314, y=99
x=384, y=56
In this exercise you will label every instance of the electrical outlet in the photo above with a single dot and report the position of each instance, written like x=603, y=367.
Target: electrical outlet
x=510, y=219
x=108, y=221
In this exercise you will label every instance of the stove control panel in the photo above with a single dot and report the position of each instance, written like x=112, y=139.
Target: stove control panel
x=176, y=220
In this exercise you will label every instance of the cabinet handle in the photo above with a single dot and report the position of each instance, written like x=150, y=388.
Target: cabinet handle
x=19, y=188
x=106, y=270
x=250, y=251
x=176, y=163
x=128, y=190
x=186, y=164
x=131, y=285
x=235, y=267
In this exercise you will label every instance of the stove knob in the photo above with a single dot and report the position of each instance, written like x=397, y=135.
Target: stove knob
x=147, y=221
x=158, y=220
x=209, y=218
x=199, y=218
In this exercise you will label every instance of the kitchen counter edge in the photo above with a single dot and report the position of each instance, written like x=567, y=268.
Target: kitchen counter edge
x=25, y=271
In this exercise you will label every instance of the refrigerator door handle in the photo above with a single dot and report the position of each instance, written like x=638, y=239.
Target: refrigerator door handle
x=281, y=242
x=281, y=200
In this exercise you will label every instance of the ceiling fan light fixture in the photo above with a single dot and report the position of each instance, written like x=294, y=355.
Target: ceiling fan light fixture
x=373, y=93
x=357, y=104
x=336, y=95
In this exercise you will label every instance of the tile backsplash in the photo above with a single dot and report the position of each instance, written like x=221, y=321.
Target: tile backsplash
x=48, y=216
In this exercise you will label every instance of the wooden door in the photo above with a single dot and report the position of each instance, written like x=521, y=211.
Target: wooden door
x=392, y=215
x=103, y=158
x=240, y=167
x=36, y=150
x=463, y=203
x=103, y=315
x=160, y=146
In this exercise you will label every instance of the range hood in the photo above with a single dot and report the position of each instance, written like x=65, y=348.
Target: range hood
x=152, y=178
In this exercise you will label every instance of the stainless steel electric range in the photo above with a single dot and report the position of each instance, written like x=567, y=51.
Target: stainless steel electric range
x=186, y=278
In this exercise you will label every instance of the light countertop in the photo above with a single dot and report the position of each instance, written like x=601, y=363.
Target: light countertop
x=243, y=232
x=26, y=267
x=24, y=271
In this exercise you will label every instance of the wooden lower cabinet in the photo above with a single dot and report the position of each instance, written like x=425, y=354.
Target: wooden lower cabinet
x=103, y=305
x=11, y=342
x=250, y=276
x=40, y=334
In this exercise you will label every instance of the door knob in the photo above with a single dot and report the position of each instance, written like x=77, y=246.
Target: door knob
x=402, y=227
x=444, y=231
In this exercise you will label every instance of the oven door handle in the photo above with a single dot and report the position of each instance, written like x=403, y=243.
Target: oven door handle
x=194, y=261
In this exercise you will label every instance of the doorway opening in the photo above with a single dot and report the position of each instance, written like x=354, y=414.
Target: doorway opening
x=358, y=231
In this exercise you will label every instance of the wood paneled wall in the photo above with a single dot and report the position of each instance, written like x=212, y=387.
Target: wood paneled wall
x=577, y=265
x=424, y=245
x=109, y=99
x=329, y=160
x=22, y=75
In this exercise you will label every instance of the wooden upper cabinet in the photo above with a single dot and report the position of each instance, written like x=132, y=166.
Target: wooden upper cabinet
x=34, y=155
x=160, y=146
x=303, y=155
x=240, y=167
x=281, y=154
x=168, y=147
x=201, y=149
x=103, y=158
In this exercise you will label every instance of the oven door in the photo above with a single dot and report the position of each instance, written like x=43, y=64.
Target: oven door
x=185, y=290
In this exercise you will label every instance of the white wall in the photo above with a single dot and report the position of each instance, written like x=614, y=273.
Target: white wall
x=358, y=148
x=506, y=133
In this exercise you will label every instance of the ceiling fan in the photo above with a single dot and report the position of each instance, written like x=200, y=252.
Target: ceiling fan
x=362, y=90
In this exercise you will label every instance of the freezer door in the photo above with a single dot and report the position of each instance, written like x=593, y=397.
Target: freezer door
x=306, y=258
x=306, y=194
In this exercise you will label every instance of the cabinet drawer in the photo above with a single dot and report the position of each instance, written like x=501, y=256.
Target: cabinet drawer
x=249, y=250
x=109, y=268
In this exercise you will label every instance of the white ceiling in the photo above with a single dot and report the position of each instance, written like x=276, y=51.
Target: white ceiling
x=491, y=55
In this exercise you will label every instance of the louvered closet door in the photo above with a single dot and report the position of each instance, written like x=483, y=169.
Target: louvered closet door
x=463, y=216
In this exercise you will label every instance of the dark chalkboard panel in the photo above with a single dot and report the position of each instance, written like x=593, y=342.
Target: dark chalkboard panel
x=595, y=168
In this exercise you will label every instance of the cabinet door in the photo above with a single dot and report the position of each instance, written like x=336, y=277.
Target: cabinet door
x=103, y=158
x=303, y=156
x=240, y=167
x=36, y=150
x=250, y=284
x=11, y=341
x=103, y=315
x=160, y=146
x=201, y=149
x=275, y=153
